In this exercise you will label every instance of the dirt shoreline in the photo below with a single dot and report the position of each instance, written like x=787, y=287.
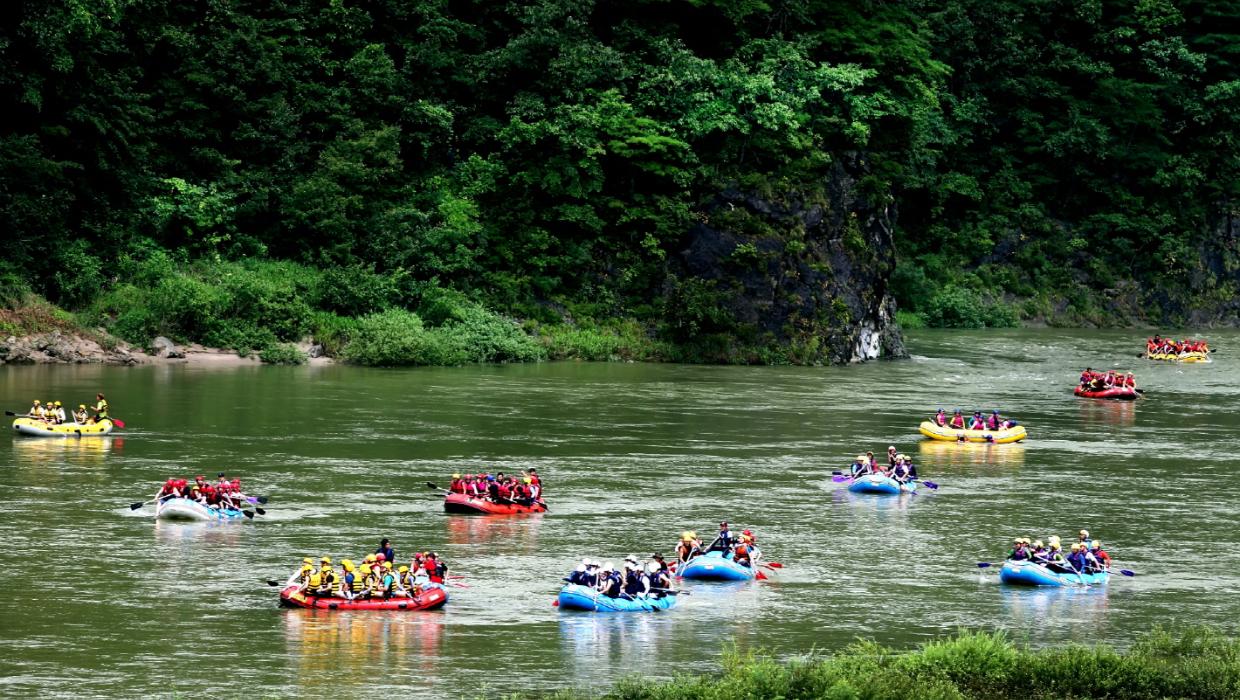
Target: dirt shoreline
x=60, y=347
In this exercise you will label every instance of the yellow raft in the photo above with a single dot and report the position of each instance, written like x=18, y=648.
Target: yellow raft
x=935, y=432
x=1182, y=357
x=37, y=428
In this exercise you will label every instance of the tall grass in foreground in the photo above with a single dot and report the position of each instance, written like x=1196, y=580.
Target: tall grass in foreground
x=1196, y=663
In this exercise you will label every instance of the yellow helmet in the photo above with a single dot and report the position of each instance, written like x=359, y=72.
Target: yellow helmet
x=307, y=560
x=1076, y=546
x=306, y=567
x=347, y=564
x=1038, y=543
x=860, y=458
x=365, y=569
x=686, y=536
x=456, y=476
x=1095, y=544
x=57, y=403
x=326, y=560
x=36, y=402
x=1084, y=533
x=528, y=480
x=387, y=565
x=82, y=405
x=369, y=558
x=403, y=569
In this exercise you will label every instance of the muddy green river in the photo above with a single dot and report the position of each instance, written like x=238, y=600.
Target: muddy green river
x=105, y=601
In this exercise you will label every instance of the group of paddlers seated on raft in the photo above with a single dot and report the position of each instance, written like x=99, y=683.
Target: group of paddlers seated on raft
x=53, y=413
x=634, y=580
x=1085, y=556
x=1166, y=346
x=526, y=490
x=376, y=577
x=899, y=466
x=977, y=422
x=743, y=547
x=225, y=494
x=1110, y=379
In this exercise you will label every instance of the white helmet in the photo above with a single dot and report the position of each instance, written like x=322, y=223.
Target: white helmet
x=580, y=568
x=652, y=567
x=608, y=567
x=631, y=557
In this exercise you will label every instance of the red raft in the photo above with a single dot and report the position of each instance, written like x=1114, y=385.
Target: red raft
x=1121, y=393
x=431, y=599
x=468, y=505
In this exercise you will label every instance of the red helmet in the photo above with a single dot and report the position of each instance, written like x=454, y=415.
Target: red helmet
x=380, y=557
x=746, y=532
x=236, y=482
x=200, y=477
x=181, y=482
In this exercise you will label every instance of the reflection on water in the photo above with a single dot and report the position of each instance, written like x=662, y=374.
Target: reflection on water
x=1078, y=610
x=227, y=532
x=874, y=502
x=941, y=454
x=628, y=641
x=517, y=534
x=1103, y=414
x=354, y=648
x=57, y=451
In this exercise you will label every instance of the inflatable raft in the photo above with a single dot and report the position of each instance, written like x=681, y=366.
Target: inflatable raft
x=468, y=505
x=187, y=509
x=1189, y=357
x=1119, y=393
x=575, y=597
x=37, y=428
x=1027, y=573
x=936, y=432
x=430, y=599
x=716, y=566
x=880, y=483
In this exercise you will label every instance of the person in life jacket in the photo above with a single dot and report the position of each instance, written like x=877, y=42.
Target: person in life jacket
x=1082, y=537
x=536, y=481
x=724, y=541
x=1077, y=561
x=860, y=467
x=36, y=410
x=59, y=412
x=436, y=569
x=349, y=579
x=940, y=418
x=1130, y=381
x=1053, y=557
x=1101, y=560
x=901, y=472
x=369, y=581
x=688, y=547
x=101, y=407
x=994, y=422
x=1020, y=550
x=80, y=415
x=608, y=581
x=741, y=552
x=577, y=575
x=636, y=583
x=977, y=422
x=456, y=485
x=957, y=421
x=168, y=490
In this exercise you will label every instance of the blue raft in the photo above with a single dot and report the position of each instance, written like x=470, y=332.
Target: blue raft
x=716, y=566
x=881, y=483
x=187, y=509
x=1027, y=573
x=575, y=597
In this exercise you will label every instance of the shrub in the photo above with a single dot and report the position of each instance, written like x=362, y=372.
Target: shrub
x=283, y=354
x=396, y=337
x=960, y=307
x=355, y=291
x=480, y=335
x=332, y=331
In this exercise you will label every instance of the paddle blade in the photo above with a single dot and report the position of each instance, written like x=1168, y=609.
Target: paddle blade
x=263, y=500
x=272, y=582
x=775, y=565
x=837, y=473
x=9, y=413
x=931, y=485
x=761, y=576
x=248, y=515
x=429, y=485
x=555, y=603
x=135, y=506
x=840, y=478
x=118, y=423
x=1128, y=572
x=983, y=565
x=260, y=511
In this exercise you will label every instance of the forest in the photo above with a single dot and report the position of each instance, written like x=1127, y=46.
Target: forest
x=450, y=181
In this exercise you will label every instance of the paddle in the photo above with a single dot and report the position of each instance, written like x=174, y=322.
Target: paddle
x=430, y=485
x=135, y=506
x=930, y=485
x=1128, y=572
x=671, y=591
x=118, y=423
x=257, y=499
x=984, y=565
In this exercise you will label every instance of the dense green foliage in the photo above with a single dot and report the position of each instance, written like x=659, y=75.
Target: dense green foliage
x=544, y=159
x=1196, y=664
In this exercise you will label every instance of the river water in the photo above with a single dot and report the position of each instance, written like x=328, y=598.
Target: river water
x=111, y=603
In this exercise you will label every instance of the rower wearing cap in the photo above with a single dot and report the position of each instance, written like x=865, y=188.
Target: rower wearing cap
x=861, y=466
x=724, y=540
x=688, y=547
x=36, y=410
x=1020, y=550
x=891, y=456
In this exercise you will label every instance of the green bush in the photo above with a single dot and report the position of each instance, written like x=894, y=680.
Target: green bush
x=332, y=331
x=283, y=354
x=356, y=291
x=616, y=341
x=480, y=335
x=910, y=320
x=960, y=307
x=397, y=337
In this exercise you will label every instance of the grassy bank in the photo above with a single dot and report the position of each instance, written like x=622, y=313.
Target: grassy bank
x=265, y=308
x=1196, y=663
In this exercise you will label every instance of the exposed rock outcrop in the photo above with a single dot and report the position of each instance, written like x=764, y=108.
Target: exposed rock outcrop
x=57, y=347
x=800, y=279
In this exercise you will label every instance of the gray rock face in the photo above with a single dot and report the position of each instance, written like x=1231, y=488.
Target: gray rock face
x=57, y=347
x=164, y=347
x=797, y=280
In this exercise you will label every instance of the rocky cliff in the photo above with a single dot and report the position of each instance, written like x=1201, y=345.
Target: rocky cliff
x=800, y=277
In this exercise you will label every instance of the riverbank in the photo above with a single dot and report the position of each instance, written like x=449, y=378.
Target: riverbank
x=1194, y=663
